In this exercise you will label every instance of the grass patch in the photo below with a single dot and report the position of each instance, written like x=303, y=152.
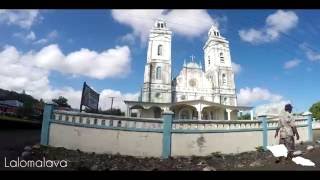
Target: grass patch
x=9, y=118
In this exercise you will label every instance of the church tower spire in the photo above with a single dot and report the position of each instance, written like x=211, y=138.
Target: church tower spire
x=157, y=75
x=218, y=64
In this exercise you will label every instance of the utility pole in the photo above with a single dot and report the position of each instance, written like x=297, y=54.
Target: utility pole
x=111, y=102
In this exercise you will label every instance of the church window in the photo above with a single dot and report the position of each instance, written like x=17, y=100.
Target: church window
x=218, y=34
x=160, y=50
x=158, y=25
x=158, y=73
x=221, y=58
x=80, y=120
x=209, y=60
x=161, y=25
x=224, y=100
x=224, y=79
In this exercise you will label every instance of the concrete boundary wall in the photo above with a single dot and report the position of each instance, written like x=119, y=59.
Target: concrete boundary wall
x=150, y=137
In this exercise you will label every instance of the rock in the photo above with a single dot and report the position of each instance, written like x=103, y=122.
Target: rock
x=255, y=163
x=27, y=148
x=310, y=148
x=209, y=168
x=94, y=168
x=297, y=153
x=240, y=166
x=36, y=146
x=26, y=155
x=201, y=163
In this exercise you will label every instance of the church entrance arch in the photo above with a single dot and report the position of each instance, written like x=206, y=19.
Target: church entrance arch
x=156, y=111
x=185, y=113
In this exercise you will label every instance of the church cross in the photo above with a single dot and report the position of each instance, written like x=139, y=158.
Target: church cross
x=192, y=57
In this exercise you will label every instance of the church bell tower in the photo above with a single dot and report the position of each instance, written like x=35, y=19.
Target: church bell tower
x=157, y=74
x=218, y=65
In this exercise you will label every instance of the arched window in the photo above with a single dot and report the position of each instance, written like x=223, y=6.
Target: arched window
x=224, y=79
x=225, y=100
x=209, y=60
x=221, y=58
x=158, y=73
x=160, y=50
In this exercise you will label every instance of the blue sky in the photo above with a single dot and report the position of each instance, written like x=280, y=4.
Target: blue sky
x=269, y=40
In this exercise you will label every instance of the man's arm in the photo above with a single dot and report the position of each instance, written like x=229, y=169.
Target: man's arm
x=277, y=131
x=294, y=129
x=295, y=132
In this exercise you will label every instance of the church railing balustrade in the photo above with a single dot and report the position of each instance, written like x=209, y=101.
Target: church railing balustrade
x=100, y=121
x=227, y=126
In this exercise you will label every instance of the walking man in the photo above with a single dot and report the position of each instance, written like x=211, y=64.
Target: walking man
x=287, y=129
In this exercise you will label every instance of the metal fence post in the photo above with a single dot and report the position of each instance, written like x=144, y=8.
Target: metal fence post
x=47, y=115
x=166, y=136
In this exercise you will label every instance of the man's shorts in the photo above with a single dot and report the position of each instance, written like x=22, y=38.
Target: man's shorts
x=288, y=142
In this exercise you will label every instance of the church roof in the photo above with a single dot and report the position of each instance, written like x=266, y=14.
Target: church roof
x=193, y=65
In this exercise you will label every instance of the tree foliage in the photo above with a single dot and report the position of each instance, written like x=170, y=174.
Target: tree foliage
x=116, y=112
x=315, y=110
x=244, y=117
x=61, y=102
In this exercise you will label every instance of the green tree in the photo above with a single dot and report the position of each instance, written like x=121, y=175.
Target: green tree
x=315, y=110
x=244, y=117
x=62, y=102
x=26, y=110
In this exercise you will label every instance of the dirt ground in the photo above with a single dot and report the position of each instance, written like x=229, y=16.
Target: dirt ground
x=12, y=143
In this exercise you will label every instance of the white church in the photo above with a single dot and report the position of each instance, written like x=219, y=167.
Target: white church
x=197, y=93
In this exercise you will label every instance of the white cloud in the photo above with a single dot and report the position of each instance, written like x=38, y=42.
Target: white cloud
x=291, y=64
x=18, y=72
x=53, y=34
x=31, y=36
x=128, y=38
x=118, y=101
x=236, y=68
x=271, y=109
x=248, y=96
x=189, y=23
x=50, y=37
x=26, y=37
x=276, y=23
x=41, y=41
x=23, y=18
x=109, y=63
x=311, y=54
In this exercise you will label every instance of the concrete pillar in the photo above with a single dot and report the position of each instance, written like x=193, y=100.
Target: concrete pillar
x=263, y=118
x=251, y=115
x=308, y=116
x=166, y=135
x=127, y=113
x=199, y=115
x=229, y=113
x=47, y=117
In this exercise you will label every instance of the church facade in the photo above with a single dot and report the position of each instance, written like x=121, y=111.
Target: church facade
x=197, y=93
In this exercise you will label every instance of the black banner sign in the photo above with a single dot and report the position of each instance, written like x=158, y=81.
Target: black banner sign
x=89, y=98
